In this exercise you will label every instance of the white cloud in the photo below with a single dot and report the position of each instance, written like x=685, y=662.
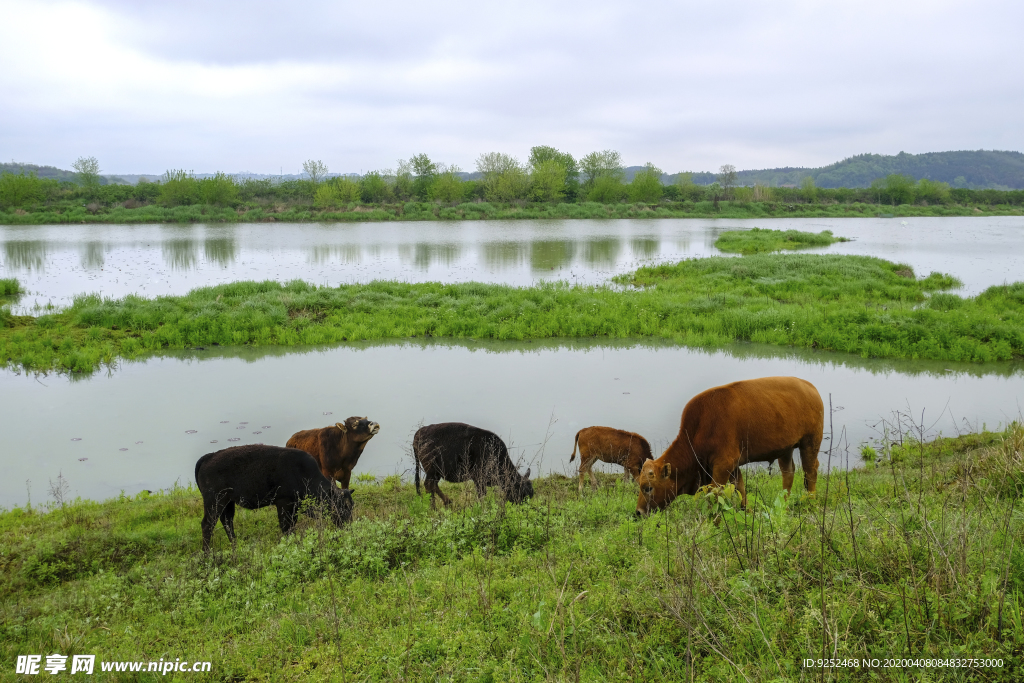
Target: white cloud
x=254, y=86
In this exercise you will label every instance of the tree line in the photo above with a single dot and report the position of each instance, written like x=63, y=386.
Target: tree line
x=547, y=176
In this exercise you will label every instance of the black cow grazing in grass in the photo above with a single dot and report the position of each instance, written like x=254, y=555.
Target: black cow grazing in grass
x=455, y=452
x=255, y=476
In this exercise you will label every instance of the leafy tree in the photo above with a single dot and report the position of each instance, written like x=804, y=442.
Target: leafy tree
x=727, y=179
x=714, y=192
x=808, y=190
x=504, y=178
x=447, y=187
x=547, y=179
x=607, y=189
x=543, y=153
x=424, y=171
x=316, y=170
x=403, y=181
x=646, y=187
x=19, y=189
x=179, y=188
x=338, y=191
x=374, y=188
x=895, y=188
x=931, y=191
x=601, y=164
x=88, y=169
x=221, y=190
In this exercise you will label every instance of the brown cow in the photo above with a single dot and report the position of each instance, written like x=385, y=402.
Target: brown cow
x=757, y=420
x=336, y=449
x=615, y=446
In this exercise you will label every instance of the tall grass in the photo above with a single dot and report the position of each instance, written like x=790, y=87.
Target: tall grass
x=918, y=554
x=855, y=304
x=10, y=286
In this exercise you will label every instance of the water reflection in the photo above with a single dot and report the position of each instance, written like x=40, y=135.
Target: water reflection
x=345, y=253
x=220, y=250
x=92, y=256
x=25, y=255
x=500, y=255
x=601, y=254
x=551, y=254
x=180, y=254
x=645, y=247
x=424, y=254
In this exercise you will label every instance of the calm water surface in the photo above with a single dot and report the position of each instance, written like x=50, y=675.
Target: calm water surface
x=56, y=262
x=144, y=425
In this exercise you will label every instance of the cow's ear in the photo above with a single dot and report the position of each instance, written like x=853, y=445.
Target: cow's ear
x=666, y=471
x=341, y=426
x=527, y=475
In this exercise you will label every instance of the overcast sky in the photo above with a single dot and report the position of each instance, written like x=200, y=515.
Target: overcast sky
x=261, y=86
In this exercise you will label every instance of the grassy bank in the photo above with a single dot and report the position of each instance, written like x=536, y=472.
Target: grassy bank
x=919, y=554
x=855, y=304
x=299, y=212
x=760, y=241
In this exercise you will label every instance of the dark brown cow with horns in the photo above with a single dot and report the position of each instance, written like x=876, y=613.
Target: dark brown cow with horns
x=614, y=446
x=337, y=448
x=757, y=420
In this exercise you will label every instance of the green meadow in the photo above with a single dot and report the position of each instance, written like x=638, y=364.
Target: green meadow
x=853, y=304
x=917, y=553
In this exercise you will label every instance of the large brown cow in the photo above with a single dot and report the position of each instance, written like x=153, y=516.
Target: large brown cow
x=757, y=420
x=614, y=446
x=336, y=449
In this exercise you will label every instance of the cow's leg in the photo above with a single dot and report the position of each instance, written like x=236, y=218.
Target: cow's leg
x=809, y=461
x=209, y=523
x=723, y=467
x=434, y=488
x=737, y=480
x=787, y=468
x=344, y=477
x=286, y=515
x=227, y=519
x=586, y=465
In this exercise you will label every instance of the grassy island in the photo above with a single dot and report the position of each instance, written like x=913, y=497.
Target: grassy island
x=919, y=553
x=854, y=304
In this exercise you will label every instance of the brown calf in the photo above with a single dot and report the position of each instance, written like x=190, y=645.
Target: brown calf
x=336, y=449
x=614, y=446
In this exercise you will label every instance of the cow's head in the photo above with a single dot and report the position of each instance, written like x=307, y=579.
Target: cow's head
x=660, y=482
x=520, y=488
x=358, y=428
x=341, y=508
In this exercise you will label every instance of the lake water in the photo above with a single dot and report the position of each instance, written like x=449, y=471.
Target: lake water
x=56, y=262
x=144, y=424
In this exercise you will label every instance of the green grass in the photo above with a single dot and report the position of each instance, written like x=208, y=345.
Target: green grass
x=854, y=304
x=10, y=286
x=295, y=211
x=919, y=554
x=758, y=241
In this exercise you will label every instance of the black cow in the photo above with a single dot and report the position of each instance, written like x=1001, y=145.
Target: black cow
x=455, y=452
x=255, y=476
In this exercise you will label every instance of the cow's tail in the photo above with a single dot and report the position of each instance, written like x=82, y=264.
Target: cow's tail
x=574, y=444
x=417, y=474
x=199, y=464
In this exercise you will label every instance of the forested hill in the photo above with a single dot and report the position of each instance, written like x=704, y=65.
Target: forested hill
x=51, y=172
x=976, y=170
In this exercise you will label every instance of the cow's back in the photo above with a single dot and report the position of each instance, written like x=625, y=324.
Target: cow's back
x=451, y=447
x=758, y=416
x=256, y=472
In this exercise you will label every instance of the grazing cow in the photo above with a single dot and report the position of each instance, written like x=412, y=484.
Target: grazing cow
x=255, y=476
x=628, y=449
x=757, y=420
x=455, y=452
x=337, y=448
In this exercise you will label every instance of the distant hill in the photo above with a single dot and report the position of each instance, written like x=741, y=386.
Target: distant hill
x=55, y=173
x=976, y=170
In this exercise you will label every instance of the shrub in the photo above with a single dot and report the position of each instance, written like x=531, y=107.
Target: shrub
x=179, y=189
x=19, y=189
x=221, y=190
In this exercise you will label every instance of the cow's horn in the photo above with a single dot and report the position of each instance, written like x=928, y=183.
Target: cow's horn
x=341, y=426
